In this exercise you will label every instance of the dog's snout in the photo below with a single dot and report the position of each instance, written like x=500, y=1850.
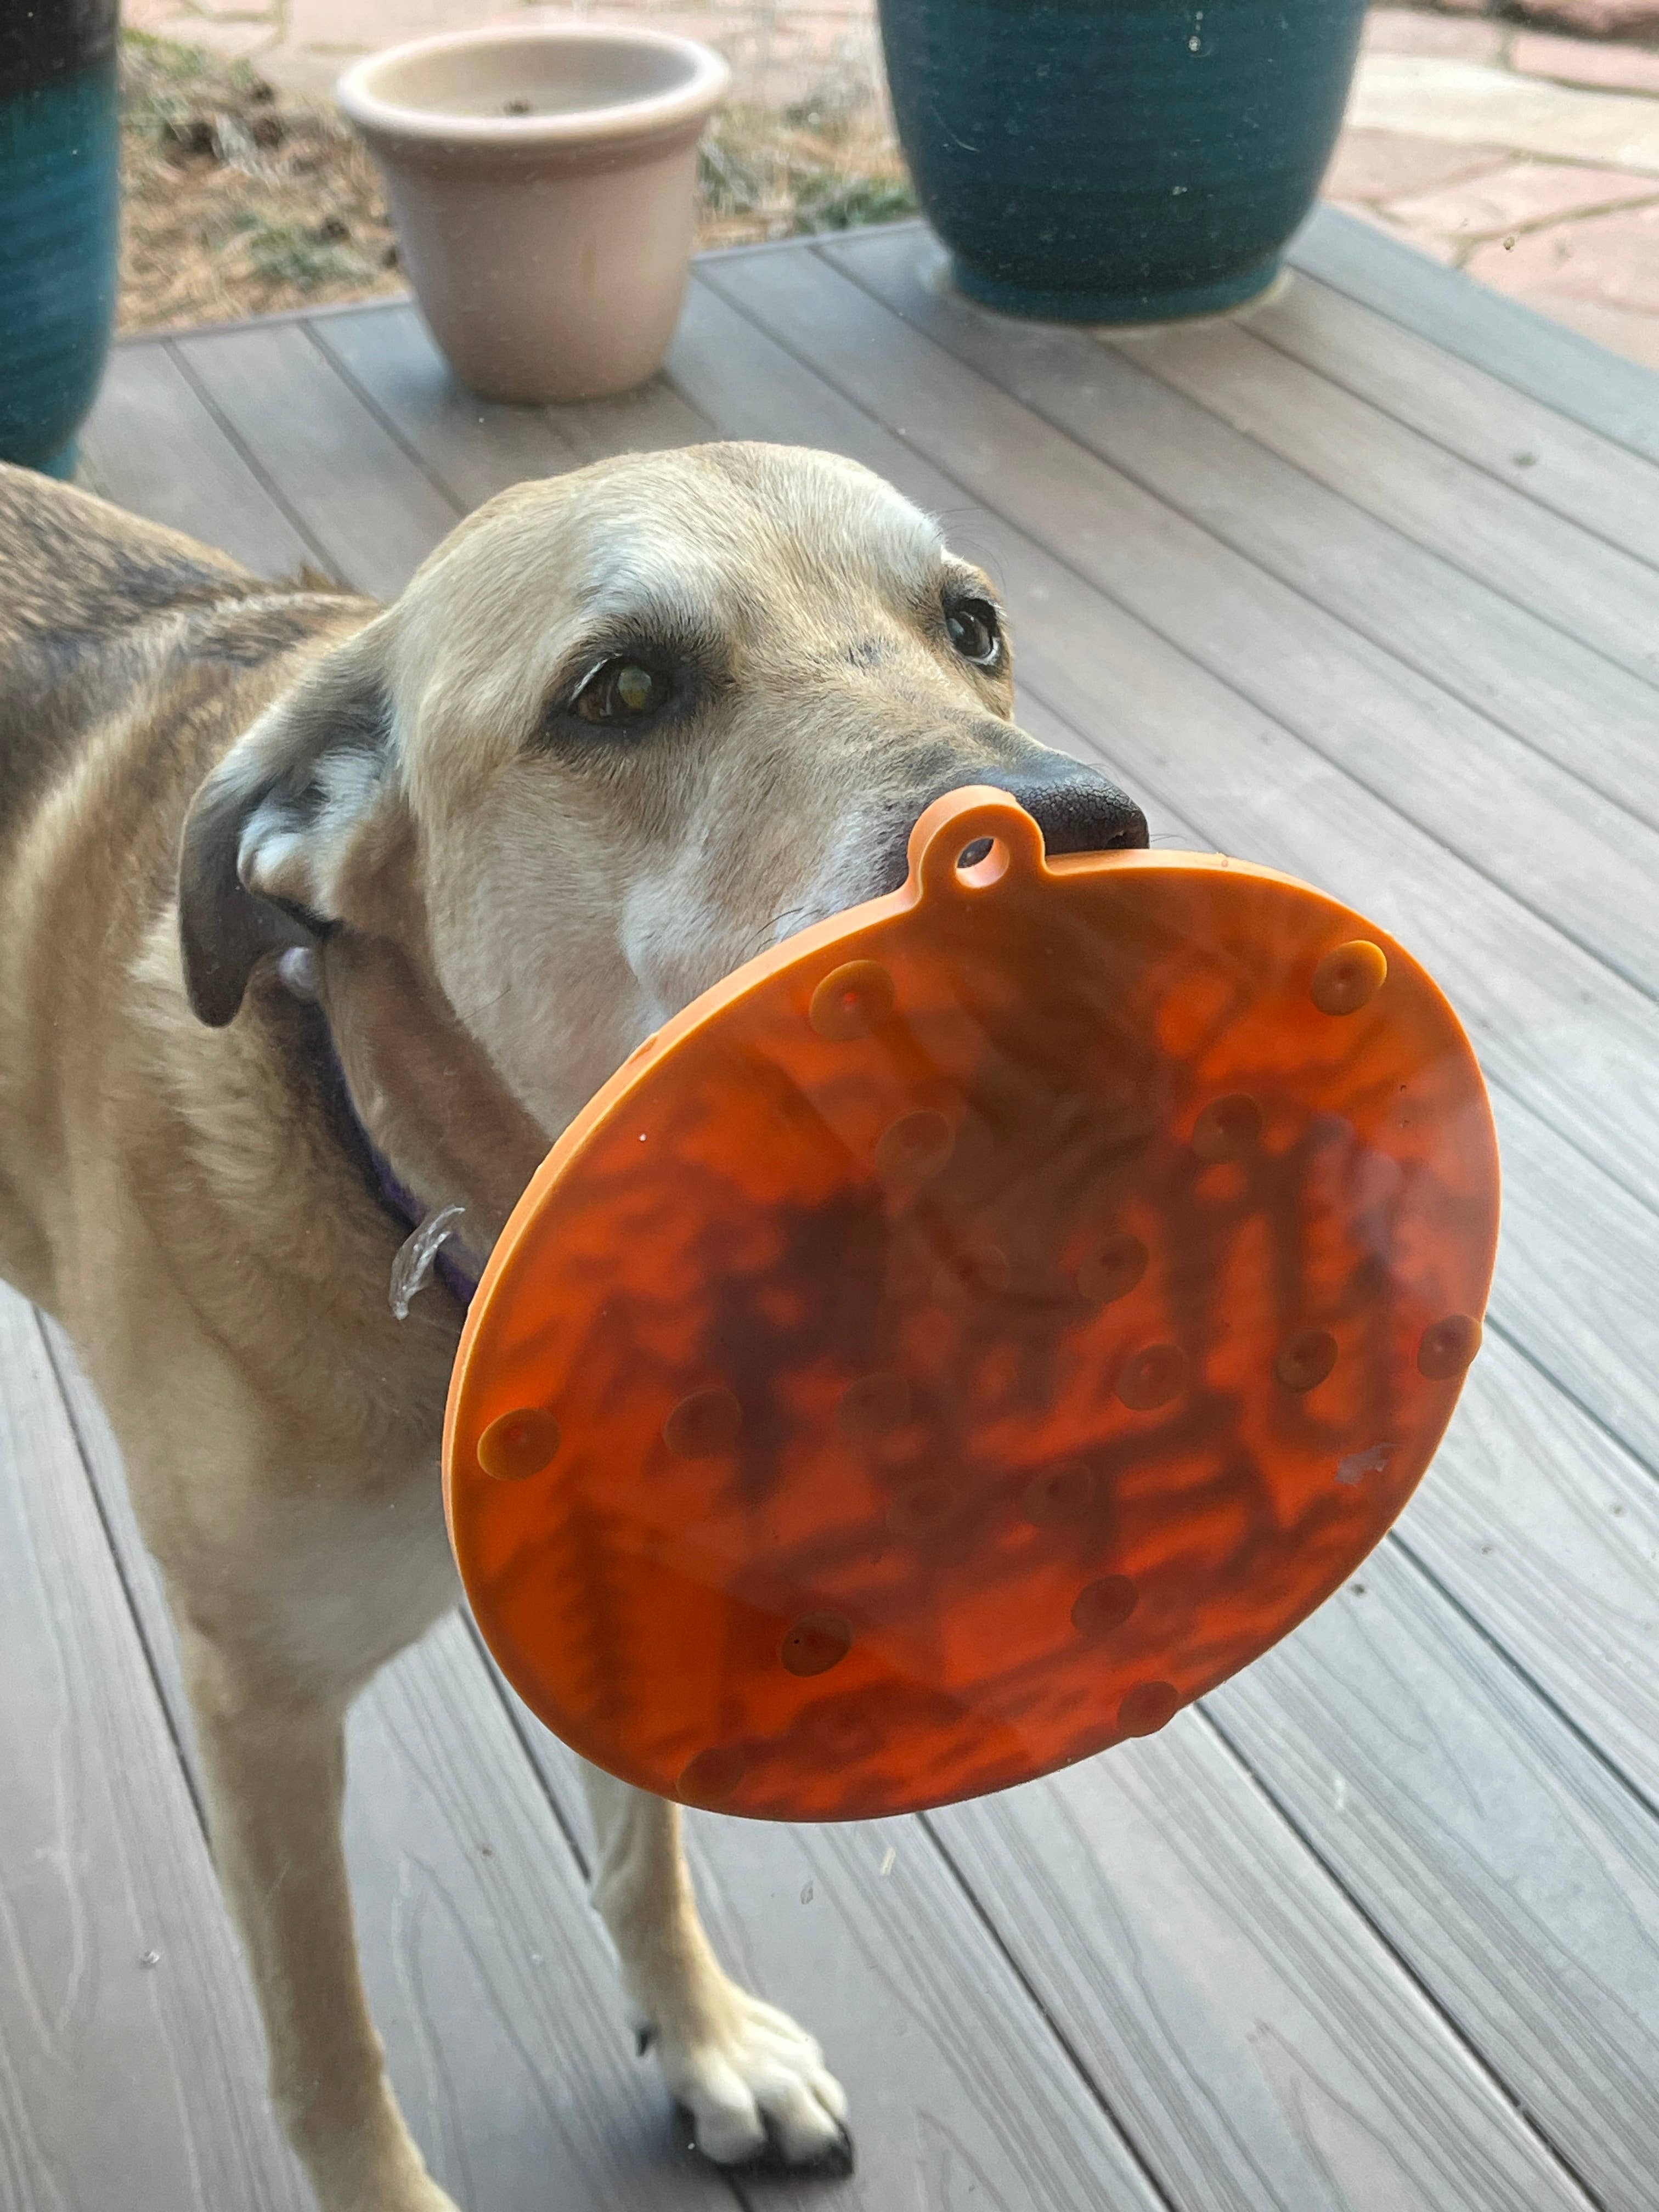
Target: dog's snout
x=1077, y=809
x=1080, y=811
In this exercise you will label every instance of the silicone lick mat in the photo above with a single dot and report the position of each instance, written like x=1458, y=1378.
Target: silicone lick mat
x=972, y=1330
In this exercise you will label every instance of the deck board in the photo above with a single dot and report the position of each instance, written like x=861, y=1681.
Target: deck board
x=1532, y=677
x=491, y=1984
x=1522, y=819
x=477, y=449
x=128, y=2040
x=1491, y=573
x=1179, y=1979
x=1260, y=466
x=961, y=2091
x=373, y=513
x=1518, y=347
x=1379, y=1932
x=130, y=452
x=1571, y=578
x=464, y=1885
x=1576, y=1279
x=490, y=1979
x=469, y=447
x=1574, y=471
x=1178, y=733
x=1547, y=1533
x=1495, y=1851
x=1266, y=2050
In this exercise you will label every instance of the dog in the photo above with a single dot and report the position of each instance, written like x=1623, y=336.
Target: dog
x=320, y=917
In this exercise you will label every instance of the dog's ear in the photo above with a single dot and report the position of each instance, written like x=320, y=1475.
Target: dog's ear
x=267, y=833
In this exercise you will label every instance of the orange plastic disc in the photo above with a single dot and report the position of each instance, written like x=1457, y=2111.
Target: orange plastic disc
x=972, y=1330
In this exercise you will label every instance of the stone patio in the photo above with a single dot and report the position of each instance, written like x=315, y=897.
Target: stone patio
x=1528, y=158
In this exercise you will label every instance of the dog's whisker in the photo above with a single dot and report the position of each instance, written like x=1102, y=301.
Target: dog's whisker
x=768, y=931
x=490, y=1005
x=794, y=916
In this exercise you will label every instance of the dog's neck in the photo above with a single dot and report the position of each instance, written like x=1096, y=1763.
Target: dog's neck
x=451, y=1263
x=411, y=1100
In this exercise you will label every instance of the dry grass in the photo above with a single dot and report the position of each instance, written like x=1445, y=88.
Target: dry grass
x=236, y=203
x=239, y=203
x=824, y=165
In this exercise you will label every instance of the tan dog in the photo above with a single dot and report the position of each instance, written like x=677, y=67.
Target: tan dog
x=291, y=888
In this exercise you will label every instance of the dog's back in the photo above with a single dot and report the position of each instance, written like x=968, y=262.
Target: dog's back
x=81, y=588
x=130, y=658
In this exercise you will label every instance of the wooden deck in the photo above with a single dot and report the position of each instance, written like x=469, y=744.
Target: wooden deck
x=1366, y=586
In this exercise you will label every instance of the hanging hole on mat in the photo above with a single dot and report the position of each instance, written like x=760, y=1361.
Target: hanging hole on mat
x=983, y=863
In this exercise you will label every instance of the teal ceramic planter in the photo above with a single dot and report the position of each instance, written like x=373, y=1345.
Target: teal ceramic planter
x=1118, y=160
x=59, y=204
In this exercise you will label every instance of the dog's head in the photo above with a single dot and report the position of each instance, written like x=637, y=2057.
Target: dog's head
x=625, y=729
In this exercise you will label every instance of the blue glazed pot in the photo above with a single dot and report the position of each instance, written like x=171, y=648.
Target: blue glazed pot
x=60, y=196
x=1118, y=160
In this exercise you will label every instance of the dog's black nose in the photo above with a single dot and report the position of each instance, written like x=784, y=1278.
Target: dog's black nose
x=1077, y=810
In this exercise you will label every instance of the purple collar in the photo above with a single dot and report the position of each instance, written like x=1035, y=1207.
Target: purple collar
x=449, y=1264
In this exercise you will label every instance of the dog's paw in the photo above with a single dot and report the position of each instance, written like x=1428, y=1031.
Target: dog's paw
x=757, y=2089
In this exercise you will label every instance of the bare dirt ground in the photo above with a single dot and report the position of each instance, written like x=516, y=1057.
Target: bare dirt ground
x=239, y=201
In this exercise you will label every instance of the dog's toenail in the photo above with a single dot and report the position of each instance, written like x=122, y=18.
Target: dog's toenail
x=835, y=2162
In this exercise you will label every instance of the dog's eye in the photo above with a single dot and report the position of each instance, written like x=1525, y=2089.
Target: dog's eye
x=973, y=630
x=622, y=690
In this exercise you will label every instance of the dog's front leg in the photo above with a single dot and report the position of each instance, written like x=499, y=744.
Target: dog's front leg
x=753, y=2081
x=275, y=1763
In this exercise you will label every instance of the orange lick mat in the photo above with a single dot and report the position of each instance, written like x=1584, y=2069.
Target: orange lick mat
x=972, y=1330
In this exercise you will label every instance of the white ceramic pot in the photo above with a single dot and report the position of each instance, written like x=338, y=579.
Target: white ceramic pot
x=544, y=185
